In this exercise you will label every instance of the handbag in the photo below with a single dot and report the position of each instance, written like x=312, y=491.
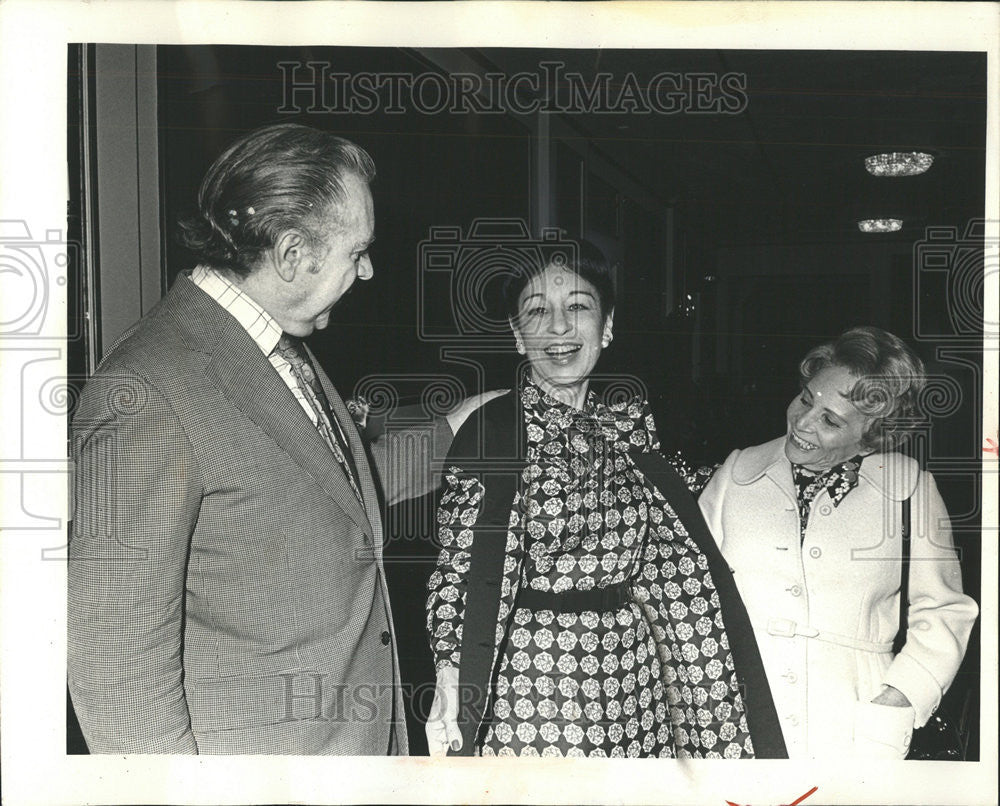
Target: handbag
x=941, y=738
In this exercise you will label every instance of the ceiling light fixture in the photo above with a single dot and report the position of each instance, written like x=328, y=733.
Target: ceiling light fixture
x=880, y=224
x=899, y=163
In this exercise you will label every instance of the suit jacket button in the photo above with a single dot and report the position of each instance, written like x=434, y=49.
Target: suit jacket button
x=386, y=638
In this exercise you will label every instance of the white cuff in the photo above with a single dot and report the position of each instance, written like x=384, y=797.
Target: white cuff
x=919, y=685
x=882, y=731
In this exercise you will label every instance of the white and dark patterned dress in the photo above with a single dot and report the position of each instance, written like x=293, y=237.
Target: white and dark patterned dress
x=591, y=683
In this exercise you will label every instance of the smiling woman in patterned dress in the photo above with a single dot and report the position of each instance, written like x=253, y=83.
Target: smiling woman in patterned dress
x=579, y=606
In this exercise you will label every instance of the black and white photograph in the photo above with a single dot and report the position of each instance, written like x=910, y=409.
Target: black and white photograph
x=391, y=388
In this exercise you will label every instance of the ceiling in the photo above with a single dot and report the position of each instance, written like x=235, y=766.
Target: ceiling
x=789, y=167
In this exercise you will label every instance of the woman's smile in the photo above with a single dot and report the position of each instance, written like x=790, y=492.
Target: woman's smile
x=800, y=443
x=563, y=352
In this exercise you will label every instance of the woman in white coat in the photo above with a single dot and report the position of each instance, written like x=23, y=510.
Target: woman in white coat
x=811, y=525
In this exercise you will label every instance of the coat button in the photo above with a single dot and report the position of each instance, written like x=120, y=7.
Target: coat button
x=825, y=509
x=795, y=590
x=790, y=677
x=815, y=552
x=386, y=638
x=793, y=720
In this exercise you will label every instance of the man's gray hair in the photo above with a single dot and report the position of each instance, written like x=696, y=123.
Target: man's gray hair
x=273, y=179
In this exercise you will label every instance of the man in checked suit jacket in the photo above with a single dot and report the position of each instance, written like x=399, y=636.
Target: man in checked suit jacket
x=226, y=589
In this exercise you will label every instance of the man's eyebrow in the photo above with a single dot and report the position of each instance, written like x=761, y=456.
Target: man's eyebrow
x=582, y=291
x=532, y=296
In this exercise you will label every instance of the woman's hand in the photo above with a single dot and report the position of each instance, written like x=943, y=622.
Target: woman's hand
x=442, y=723
x=891, y=696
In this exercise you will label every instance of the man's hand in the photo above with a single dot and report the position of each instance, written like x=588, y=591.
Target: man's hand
x=442, y=723
x=461, y=412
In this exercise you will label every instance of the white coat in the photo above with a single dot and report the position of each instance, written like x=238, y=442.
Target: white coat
x=825, y=612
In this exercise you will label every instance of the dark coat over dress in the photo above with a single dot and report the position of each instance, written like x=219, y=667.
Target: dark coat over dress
x=684, y=605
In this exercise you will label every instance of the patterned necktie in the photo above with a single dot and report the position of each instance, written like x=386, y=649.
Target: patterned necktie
x=293, y=351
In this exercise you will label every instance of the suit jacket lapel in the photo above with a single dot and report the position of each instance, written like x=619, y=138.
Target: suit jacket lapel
x=245, y=376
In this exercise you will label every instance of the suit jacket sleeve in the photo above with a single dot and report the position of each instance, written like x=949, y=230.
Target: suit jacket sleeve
x=137, y=497
x=408, y=460
x=940, y=616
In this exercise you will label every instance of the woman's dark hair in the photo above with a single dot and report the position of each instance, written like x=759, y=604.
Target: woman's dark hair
x=272, y=179
x=889, y=378
x=580, y=257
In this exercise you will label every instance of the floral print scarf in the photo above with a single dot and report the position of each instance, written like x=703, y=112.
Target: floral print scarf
x=839, y=480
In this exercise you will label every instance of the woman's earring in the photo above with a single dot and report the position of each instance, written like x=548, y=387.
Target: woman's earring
x=607, y=339
x=519, y=345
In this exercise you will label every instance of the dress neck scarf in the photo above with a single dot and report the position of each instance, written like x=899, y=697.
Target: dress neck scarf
x=839, y=480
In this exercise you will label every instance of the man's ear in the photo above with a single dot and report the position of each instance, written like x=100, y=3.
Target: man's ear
x=290, y=254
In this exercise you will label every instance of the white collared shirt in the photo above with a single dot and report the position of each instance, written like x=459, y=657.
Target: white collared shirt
x=257, y=322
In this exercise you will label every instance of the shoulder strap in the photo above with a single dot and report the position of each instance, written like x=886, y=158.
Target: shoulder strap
x=762, y=716
x=904, y=581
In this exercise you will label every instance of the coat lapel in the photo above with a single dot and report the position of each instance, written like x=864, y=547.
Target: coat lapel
x=767, y=460
x=492, y=431
x=245, y=376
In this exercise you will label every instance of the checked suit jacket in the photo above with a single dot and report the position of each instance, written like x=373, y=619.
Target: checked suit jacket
x=226, y=586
